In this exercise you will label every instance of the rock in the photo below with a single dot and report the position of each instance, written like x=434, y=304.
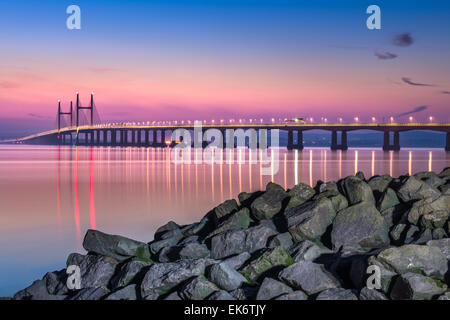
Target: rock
x=310, y=220
x=117, y=247
x=445, y=189
x=310, y=277
x=302, y=192
x=308, y=251
x=269, y=203
x=171, y=239
x=337, y=294
x=427, y=206
x=445, y=296
x=445, y=173
x=360, y=175
x=193, y=250
x=235, y=221
x=371, y=294
x=424, y=237
x=243, y=197
x=169, y=226
x=267, y=260
x=414, y=286
x=130, y=271
x=443, y=245
x=162, y=277
x=37, y=291
x=398, y=232
x=237, y=241
x=438, y=233
x=96, y=271
x=412, y=188
x=225, y=209
x=430, y=178
x=357, y=190
x=379, y=184
x=189, y=239
x=173, y=296
x=386, y=274
x=359, y=228
x=95, y=293
x=198, y=288
x=387, y=200
x=339, y=202
x=427, y=260
x=126, y=293
x=238, y=260
x=283, y=240
x=411, y=233
x=296, y=295
x=221, y=295
x=225, y=276
x=245, y=293
x=271, y=288
x=435, y=219
x=56, y=282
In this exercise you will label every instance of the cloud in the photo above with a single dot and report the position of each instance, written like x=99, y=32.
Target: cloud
x=386, y=55
x=445, y=92
x=347, y=47
x=8, y=85
x=403, y=40
x=34, y=115
x=415, y=110
x=417, y=84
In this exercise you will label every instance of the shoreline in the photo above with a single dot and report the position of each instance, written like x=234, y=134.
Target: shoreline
x=355, y=239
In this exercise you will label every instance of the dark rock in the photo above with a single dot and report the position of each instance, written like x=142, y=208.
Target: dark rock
x=310, y=220
x=245, y=293
x=434, y=219
x=398, y=232
x=225, y=208
x=269, y=203
x=386, y=273
x=234, y=221
x=193, y=250
x=337, y=294
x=238, y=260
x=443, y=245
x=371, y=294
x=127, y=293
x=243, y=197
x=308, y=251
x=221, y=295
x=415, y=286
x=438, y=233
x=173, y=296
x=359, y=228
x=428, y=206
x=129, y=272
x=379, y=184
x=357, y=190
x=339, y=202
x=169, y=226
x=387, y=200
x=225, y=276
x=175, y=236
x=302, y=192
x=309, y=277
x=271, y=288
x=117, y=247
x=424, y=237
x=412, y=188
x=96, y=293
x=237, y=241
x=283, y=240
x=37, y=291
x=296, y=295
x=199, y=288
x=430, y=178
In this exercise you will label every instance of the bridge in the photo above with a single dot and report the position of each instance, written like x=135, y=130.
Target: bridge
x=158, y=134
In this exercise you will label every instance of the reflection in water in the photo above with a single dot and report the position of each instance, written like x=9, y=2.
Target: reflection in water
x=132, y=191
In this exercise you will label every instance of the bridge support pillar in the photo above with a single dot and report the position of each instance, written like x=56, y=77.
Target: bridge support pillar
x=290, y=143
x=299, y=140
x=139, y=137
x=387, y=146
x=113, y=137
x=447, y=142
x=334, y=140
x=147, y=138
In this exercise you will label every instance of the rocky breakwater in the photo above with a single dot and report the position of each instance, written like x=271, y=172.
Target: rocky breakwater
x=305, y=243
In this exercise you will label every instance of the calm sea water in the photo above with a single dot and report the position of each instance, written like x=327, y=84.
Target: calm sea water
x=50, y=196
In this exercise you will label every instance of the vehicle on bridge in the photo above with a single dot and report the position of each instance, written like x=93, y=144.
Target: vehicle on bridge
x=296, y=120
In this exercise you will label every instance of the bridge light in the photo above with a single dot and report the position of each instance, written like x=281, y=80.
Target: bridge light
x=392, y=119
x=356, y=119
x=373, y=119
x=410, y=118
x=431, y=119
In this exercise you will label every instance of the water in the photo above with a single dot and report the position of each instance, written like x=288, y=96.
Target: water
x=50, y=196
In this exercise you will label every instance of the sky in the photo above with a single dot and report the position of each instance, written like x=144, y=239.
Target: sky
x=192, y=59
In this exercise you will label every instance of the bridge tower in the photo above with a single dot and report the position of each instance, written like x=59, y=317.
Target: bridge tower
x=60, y=113
x=90, y=107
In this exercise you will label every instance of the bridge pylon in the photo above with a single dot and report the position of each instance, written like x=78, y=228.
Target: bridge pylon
x=90, y=108
x=60, y=113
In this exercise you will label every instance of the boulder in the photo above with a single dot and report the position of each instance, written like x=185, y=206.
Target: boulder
x=225, y=209
x=428, y=206
x=225, y=276
x=37, y=291
x=310, y=220
x=310, y=277
x=245, y=293
x=296, y=295
x=238, y=260
x=169, y=226
x=117, y=247
x=198, y=288
x=269, y=203
x=130, y=271
x=426, y=260
x=371, y=294
x=413, y=286
x=266, y=260
x=379, y=184
x=443, y=245
x=237, y=241
x=238, y=220
x=283, y=240
x=308, y=251
x=386, y=273
x=193, y=250
x=170, y=238
x=94, y=293
x=221, y=295
x=337, y=294
x=430, y=178
x=357, y=190
x=412, y=188
x=359, y=228
x=387, y=200
x=435, y=219
x=271, y=288
x=127, y=293
x=339, y=202
x=302, y=192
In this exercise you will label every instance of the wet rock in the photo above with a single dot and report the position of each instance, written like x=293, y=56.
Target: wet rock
x=238, y=260
x=235, y=221
x=269, y=203
x=96, y=293
x=379, y=184
x=302, y=192
x=283, y=240
x=443, y=245
x=117, y=247
x=234, y=242
x=265, y=261
x=129, y=272
x=221, y=295
x=359, y=228
x=162, y=277
x=245, y=293
x=198, y=288
x=430, y=178
x=414, y=286
x=225, y=209
x=169, y=239
x=127, y=293
x=271, y=288
x=412, y=188
x=357, y=190
x=169, y=226
x=428, y=206
x=308, y=251
x=386, y=273
x=310, y=220
x=427, y=260
x=225, y=276
x=308, y=276
x=37, y=291
x=387, y=200
x=193, y=250
x=371, y=294
x=337, y=294
x=296, y=295
x=435, y=219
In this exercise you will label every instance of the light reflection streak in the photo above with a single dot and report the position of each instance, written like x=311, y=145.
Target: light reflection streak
x=296, y=167
x=77, y=204
x=356, y=161
x=410, y=163
x=310, y=168
x=91, y=191
x=373, y=163
x=430, y=161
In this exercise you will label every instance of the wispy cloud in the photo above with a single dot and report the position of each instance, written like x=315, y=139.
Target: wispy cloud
x=8, y=85
x=445, y=92
x=417, y=84
x=403, y=40
x=385, y=55
x=415, y=110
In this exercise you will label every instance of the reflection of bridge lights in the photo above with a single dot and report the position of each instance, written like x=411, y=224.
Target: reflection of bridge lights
x=273, y=120
x=311, y=119
x=373, y=119
x=411, y=119
x=340, y=120
x=431, y=119
x=392, y=119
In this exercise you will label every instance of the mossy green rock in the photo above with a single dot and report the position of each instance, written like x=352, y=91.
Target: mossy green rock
x=269, y=259
x=427, y=206
x=198, y=288
x=234, y=221
x=413, y=286
x=412, y=188
x=357, y=190
x=269, y=203
x=387, y=200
